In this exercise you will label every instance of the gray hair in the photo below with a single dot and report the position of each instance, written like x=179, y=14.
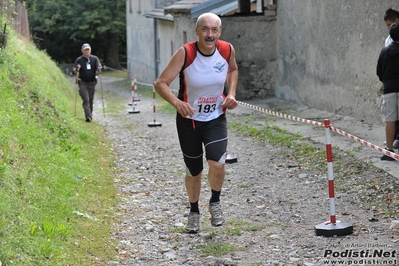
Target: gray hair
x=199, y=19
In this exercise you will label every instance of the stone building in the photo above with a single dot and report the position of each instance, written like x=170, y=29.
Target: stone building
x=319, y=53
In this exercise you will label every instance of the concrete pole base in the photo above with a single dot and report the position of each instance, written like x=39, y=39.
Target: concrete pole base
x=330, y=229
x=134, y=111
x=154, y=124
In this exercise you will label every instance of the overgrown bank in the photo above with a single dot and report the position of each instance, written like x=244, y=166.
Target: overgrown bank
x=56, y=186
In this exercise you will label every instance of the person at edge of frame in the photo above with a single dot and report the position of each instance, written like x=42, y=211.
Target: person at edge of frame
x=87, y=66
x=392, y=16
x=205, y=67
x=388, y=74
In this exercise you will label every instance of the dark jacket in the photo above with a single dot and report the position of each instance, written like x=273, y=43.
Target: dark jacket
x=388, y=68
x=85, y=74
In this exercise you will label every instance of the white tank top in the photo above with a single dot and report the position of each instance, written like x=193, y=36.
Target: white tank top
x=202, y=80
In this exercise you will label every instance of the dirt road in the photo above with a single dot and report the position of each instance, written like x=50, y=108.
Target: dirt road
x=271, y=203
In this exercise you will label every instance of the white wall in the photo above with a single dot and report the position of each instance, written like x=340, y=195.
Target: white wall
x=140, y=44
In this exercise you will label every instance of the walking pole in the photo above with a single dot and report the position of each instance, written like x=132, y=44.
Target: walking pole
x=77, y=88
x=102, y=93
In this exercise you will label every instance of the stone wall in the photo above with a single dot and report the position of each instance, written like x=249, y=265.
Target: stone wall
x=319, y=53
x=327, y=54
x=254, y=39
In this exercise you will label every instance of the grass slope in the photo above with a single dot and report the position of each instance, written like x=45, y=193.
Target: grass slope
x=56, y=171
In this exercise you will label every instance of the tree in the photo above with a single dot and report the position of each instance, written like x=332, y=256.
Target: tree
x=61, y=27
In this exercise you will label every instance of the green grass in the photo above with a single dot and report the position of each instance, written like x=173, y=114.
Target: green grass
x=218, y=249
x=309, y=156
x=233, y=231
x=57, y=196
x=115, y=74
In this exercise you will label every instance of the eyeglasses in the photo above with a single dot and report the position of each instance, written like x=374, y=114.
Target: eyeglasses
x=206, y=29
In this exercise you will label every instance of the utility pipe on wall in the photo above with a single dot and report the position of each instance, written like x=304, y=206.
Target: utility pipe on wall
x=154, y=4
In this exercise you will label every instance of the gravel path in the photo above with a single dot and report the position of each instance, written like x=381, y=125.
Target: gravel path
x=271, y=204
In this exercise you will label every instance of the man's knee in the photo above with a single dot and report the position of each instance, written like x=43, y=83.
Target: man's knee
x=193, y=171
x=215, y=166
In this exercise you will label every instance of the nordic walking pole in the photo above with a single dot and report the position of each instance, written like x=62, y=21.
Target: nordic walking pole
x=102, y=93
x=77, y=88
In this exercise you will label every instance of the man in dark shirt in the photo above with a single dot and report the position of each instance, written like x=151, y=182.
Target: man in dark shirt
x=87, y=66
x=392, y=16
x=388, y=73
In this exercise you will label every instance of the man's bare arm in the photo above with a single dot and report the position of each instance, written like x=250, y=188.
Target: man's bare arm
x=170, y=72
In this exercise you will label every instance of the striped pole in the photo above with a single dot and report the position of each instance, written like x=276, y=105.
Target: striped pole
x=154, y=123
x=330, y=173
x=134, y=93
x=135, y=97
x=331, y=227
x=133, y=82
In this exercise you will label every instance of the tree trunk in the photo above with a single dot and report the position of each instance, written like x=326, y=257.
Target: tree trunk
x=111, y=53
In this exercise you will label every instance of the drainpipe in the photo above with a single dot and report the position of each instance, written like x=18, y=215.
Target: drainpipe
x=154, y=4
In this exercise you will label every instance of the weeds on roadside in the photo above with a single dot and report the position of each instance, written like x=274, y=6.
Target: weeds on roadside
x=383, y=195
x=53, y=167
x=218, y=249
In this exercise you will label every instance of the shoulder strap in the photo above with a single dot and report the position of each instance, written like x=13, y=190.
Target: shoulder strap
x=224, y=49
x=191, y=53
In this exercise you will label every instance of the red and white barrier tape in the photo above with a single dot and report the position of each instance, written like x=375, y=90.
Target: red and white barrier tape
x=315, y=123
x=282, y=115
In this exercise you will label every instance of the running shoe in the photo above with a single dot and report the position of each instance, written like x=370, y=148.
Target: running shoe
x=396, y=144
x=193, y=223
x=385, y=157
x=215, y=208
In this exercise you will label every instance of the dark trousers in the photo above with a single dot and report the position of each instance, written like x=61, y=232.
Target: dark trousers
x=86, y=92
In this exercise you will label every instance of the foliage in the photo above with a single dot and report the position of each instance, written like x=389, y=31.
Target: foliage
x=56, y=194
x=61, y=27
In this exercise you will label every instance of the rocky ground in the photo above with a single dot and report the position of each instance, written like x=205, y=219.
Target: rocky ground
x=271, y=203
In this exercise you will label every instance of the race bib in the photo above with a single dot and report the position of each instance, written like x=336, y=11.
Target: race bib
x=207, y=108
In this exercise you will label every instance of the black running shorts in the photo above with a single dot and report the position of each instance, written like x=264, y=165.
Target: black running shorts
x=196, y=135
